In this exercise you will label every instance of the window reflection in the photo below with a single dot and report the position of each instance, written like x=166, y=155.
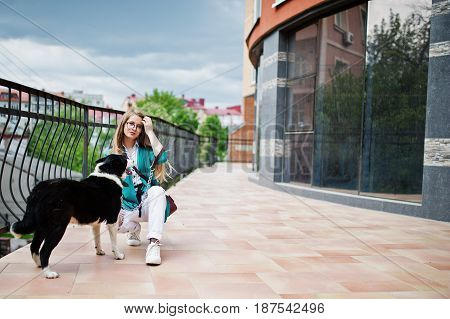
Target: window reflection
x=397, y=69
x=300, y=148
x=367, y=64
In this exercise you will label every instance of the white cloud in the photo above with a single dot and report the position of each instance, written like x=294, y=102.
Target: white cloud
x=61, y=69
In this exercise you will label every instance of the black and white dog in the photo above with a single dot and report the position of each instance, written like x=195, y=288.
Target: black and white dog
x=53, y=204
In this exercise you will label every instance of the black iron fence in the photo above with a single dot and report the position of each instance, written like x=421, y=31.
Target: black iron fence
x=45, y=136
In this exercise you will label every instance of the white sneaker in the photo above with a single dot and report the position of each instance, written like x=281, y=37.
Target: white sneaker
x=153, y=255
x=133, y=239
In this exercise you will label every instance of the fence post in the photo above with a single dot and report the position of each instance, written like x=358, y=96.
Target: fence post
x=86, y=141
x=214, y=150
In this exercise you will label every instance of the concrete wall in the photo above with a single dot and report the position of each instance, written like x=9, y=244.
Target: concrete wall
x=436, y=171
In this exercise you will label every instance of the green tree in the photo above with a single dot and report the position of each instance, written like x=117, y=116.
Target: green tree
x=217, y=139
x=165, y=105
x=397, y=80
x=63, y=144
x=393, y=87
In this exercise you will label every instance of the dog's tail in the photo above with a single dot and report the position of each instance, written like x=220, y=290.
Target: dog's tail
x=27, y=225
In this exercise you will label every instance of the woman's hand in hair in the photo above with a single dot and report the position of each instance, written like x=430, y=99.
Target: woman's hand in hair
x=148, y=124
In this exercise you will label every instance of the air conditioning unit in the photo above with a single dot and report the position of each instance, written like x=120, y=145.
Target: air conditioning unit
x=348, y=38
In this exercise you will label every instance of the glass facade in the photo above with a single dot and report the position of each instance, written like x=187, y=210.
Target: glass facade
x=356, y=98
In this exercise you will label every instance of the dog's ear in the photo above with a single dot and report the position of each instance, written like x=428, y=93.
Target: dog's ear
x=101, y=160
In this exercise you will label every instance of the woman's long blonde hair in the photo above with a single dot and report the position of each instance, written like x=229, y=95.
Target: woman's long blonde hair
x=161, y=172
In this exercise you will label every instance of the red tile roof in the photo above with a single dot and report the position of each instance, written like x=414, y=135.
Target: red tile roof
x=4, y=96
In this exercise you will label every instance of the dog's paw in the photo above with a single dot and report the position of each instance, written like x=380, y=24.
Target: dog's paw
x=50, y=274
x=118, y=255
x=100, y=251
x=37, y=259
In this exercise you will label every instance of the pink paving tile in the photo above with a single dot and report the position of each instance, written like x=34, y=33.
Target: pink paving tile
x=199, y=245
x=272, y=249
x=384, y=263
x=277, y=247
x=299, y=296
x=426, y=271
x=91, y=273
x=21, y=256
x=188, y=237
x=235, y=290
x=350, y=272
x=356, y=295
x=237, y=257
x=155, y=296
x=412, y=279
x=271, y=230
x=247, y=268
x=328, y=260
x=299, y=283
x=172, y=284
x=293, y=264
x=59, y=296
x=224, y=278
x=88, y=259
x=2, y=266
x=346, y=252
x=40, y=285
x=298, y=235
x=417, y=295
x=401, y=246
x=177, y=261
x=22, y=268
x=24, y=257
x=67, y=248
x=238, y=234
x=238, y=244
x=10, y=282
x=426, y=255
x=380, y=286
x=443, y=286
x=439, y=266
x=112, y=289
x=133, y=256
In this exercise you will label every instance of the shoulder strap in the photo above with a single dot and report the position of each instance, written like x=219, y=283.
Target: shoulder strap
x=155, y=161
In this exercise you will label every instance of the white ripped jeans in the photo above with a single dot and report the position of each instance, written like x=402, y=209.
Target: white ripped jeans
x=152, y=211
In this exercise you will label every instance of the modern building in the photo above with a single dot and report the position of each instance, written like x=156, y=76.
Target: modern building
x=129, y=102
x=230, y=116
x=241, y=147
x=352, y=101
x=87, y=98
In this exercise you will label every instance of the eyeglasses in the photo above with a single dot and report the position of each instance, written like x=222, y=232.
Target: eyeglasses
x=134, y=125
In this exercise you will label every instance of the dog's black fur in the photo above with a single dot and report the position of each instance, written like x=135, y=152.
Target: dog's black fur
x=52, y=204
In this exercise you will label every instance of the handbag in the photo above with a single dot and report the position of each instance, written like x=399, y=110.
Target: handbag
x=173, y=207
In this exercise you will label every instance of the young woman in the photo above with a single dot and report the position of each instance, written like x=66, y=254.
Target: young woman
x=142, y=201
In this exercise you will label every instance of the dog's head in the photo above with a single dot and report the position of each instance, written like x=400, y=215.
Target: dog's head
x=112, y=164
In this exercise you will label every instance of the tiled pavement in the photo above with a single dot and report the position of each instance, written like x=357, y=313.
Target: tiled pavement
x=234, y=239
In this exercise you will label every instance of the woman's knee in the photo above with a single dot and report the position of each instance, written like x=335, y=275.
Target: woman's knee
x=156, y=191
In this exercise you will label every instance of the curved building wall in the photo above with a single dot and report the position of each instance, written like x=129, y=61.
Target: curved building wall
x=272, y=16
x=343, y=99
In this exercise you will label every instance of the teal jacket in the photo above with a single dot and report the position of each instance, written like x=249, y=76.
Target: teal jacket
x=145, y=158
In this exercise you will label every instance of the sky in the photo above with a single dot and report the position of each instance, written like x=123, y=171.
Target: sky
x=140, y=45
x=380, y=9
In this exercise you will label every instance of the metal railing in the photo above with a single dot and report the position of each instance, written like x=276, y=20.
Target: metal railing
x=45, y=136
